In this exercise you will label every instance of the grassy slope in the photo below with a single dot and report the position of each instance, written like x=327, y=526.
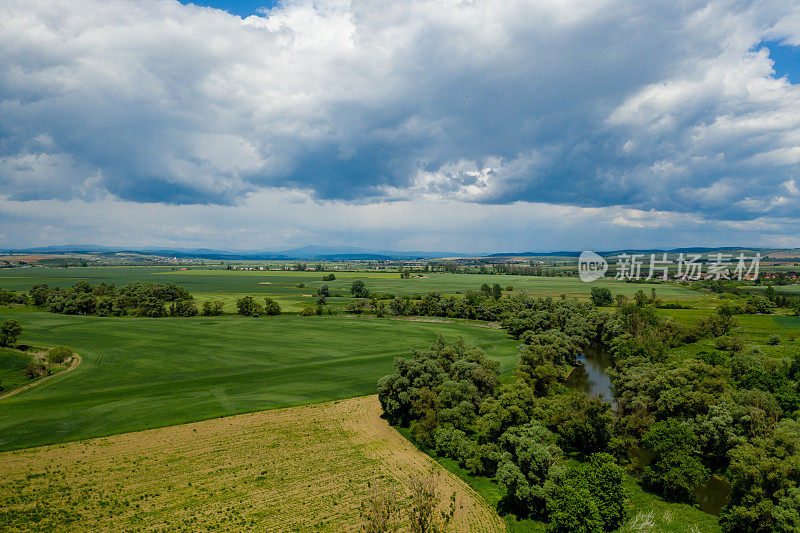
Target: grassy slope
x=141, y=373
x=12, y=366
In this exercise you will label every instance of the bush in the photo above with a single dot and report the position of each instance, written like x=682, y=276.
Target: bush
x=36, y=370
x=247, y=306
x=212, y=308
x=774, y=340
x=59, y=354
x=729, y=343
x=601, y=297
x=359, y=290
x=329, y=277
x=185, y=307
x=9, y=332
x=271, y=307
x=324, y=290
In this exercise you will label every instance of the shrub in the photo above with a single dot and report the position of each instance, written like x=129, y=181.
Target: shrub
x=271, y=307
x=730, y=343
x=9, y=332
x=247, y=306
x=324, y=290
x=774, y=340
x=59, y=354
x=185, y=307
x=601, y=297
x=36, y=370
x=359, y=290
x=212, y=308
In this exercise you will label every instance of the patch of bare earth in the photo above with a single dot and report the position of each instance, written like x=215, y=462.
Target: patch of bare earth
x=297, y=469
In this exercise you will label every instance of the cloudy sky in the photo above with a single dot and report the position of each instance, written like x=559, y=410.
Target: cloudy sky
x=469, y=125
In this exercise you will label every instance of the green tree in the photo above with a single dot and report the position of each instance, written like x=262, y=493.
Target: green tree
x=247, y=306
x=765, y=474
x=359, y=290
x=212, y=308
x=586, y=500
x=601, y=297
x=497, y=291
x=324, y=290
x=271, y=307
x=675, y=471
x=10, y=331
x=529, y=454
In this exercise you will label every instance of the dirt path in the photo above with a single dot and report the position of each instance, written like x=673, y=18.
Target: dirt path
x=76, y=360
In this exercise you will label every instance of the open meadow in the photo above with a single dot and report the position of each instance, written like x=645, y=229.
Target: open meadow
x=140, y=373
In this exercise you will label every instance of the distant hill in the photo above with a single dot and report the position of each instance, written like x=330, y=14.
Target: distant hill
x=351, y=253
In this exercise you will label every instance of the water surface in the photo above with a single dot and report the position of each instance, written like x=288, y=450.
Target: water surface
x=590, y=376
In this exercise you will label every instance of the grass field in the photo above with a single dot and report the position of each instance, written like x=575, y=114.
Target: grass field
x=141, y=373
x=12, y=364
x=226, y=285
x=296, y=469
x=754, y=330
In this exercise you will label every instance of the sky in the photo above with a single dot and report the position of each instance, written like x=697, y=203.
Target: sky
x=454, y=125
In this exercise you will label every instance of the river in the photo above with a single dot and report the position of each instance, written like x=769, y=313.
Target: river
x=590, y=377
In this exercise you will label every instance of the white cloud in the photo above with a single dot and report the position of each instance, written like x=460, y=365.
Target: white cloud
x=616, y=104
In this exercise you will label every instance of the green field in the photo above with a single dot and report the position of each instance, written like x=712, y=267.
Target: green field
x=142, y=373
x=227, y=285
x=12, y=364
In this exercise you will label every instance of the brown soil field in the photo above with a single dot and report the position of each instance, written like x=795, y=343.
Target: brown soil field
x=297, y=469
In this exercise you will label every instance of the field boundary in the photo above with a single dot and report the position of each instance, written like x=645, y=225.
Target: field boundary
x=76, y=360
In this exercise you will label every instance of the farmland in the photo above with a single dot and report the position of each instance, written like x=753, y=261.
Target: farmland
x=144, y=373
x=226, y=285
x=231, y=402
x=296, y=469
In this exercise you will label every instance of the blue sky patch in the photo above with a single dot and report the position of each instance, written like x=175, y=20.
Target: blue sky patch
x=786, y=59
x=241, y=8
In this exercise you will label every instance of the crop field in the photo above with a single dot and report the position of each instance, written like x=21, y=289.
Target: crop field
x=12, y=363
x=141, y=373
x=226, y=285
x=297, y=469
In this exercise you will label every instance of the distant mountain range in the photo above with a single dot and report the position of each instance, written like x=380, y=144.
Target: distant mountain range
x=340, y=253
x=304, y=253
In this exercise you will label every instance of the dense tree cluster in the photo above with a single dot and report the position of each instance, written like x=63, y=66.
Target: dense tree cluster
x=451, y=398
x=12, y=297
x=137, y=299
x=730, y=411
